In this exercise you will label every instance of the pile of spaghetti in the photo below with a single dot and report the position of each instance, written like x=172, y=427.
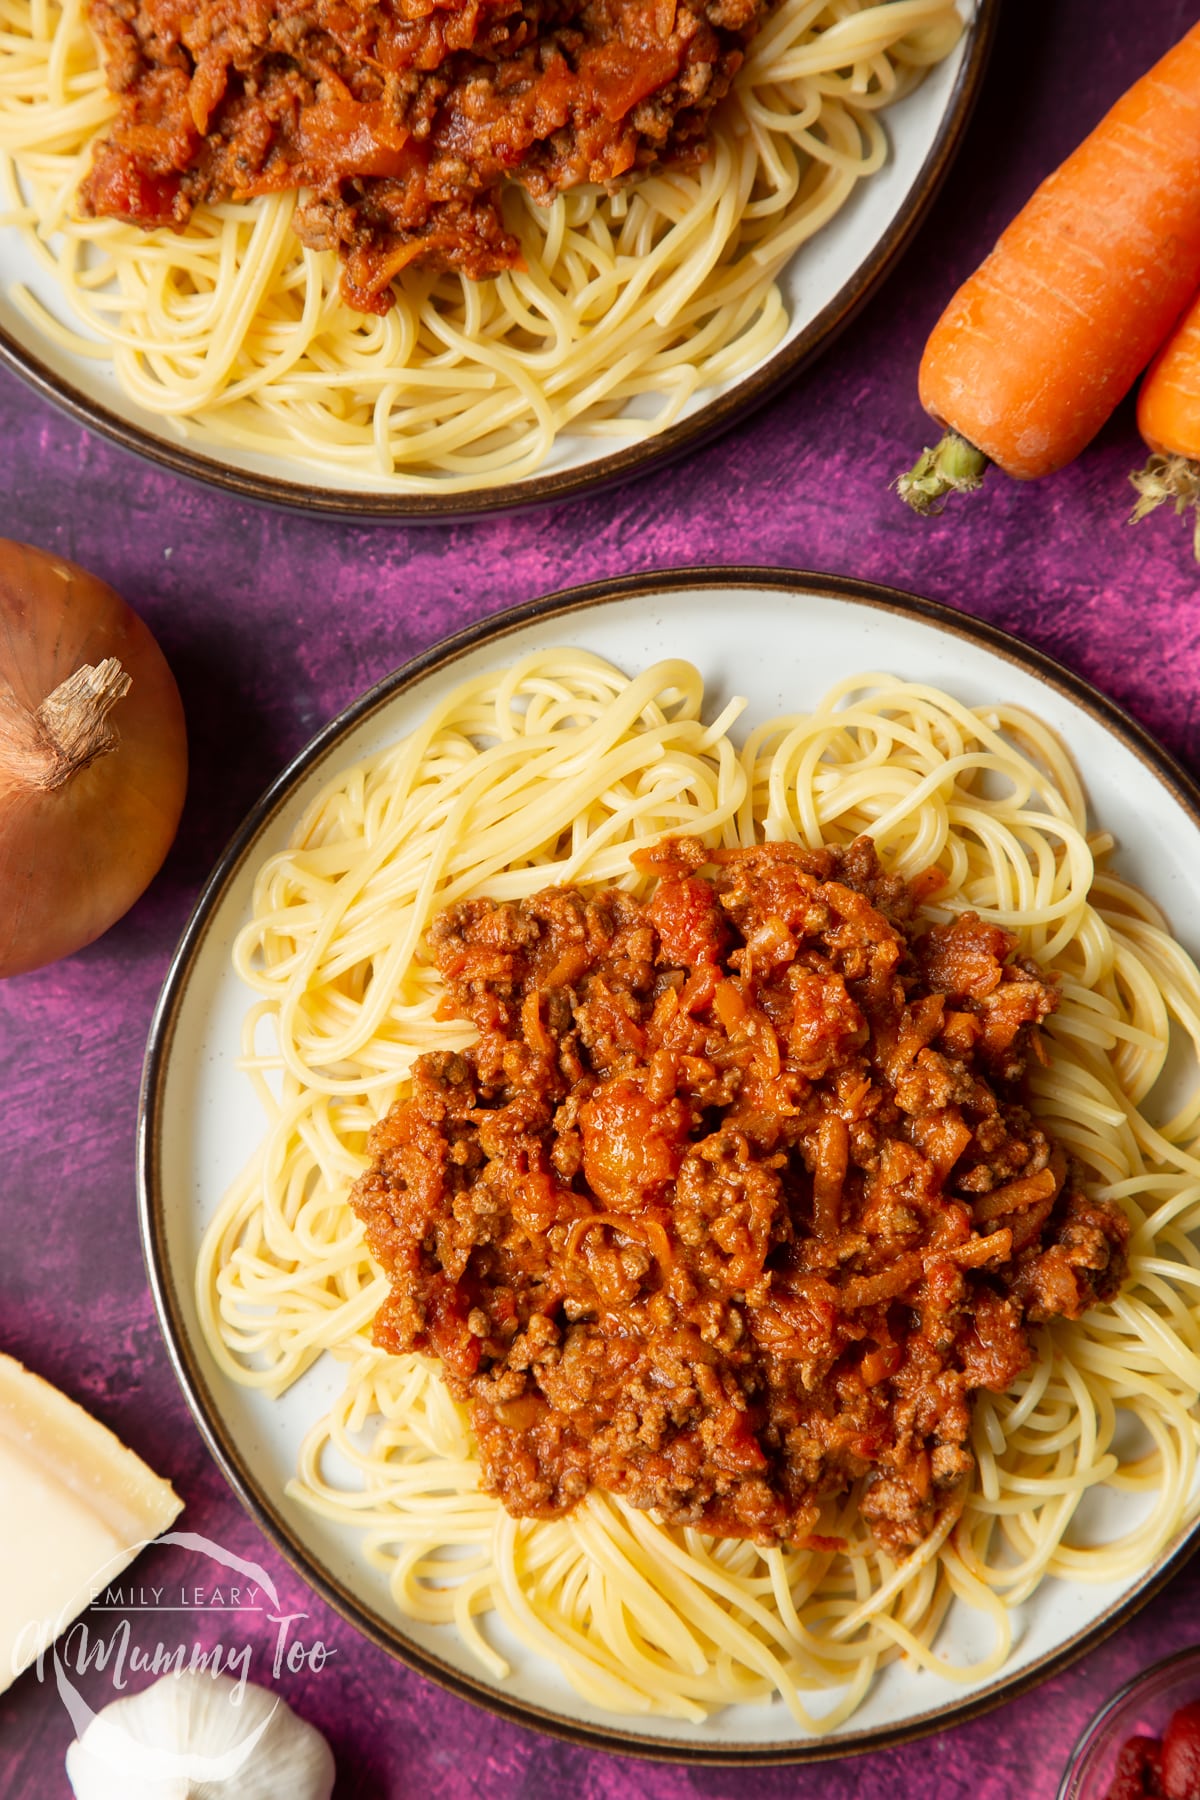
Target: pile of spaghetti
x=612, y=307
x=556, y=772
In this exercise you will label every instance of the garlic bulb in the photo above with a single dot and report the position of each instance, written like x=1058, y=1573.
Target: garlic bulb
x=202, y=1736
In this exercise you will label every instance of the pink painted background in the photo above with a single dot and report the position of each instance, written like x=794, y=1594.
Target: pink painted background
x=273, y=622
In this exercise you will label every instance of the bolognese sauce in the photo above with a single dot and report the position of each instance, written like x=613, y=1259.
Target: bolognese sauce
x=401, y=119
x=736, y=1200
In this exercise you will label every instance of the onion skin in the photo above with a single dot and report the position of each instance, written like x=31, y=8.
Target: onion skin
x=75, y=856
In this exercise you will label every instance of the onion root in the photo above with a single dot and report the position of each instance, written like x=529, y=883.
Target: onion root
x=69, y=730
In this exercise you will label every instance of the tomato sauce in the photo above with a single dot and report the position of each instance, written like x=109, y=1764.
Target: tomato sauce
x=401, y=120
x=736, y=1201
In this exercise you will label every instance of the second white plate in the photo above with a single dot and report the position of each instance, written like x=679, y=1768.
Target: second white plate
x=781, y=640
x=823, y=286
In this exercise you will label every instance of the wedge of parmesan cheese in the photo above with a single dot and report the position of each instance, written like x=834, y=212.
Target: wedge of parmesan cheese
x=75, y=1508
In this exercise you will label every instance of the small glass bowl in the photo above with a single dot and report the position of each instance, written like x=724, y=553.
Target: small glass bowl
x=1142, y=1707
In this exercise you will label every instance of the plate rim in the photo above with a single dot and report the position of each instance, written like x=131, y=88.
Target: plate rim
x=701, y=427
x=672, y=586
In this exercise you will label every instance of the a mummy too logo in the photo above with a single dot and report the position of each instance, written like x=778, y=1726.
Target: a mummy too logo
x=222, y=1619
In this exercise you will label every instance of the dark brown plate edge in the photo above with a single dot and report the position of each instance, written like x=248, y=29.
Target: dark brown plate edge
x=656, y=584
x=710, y=421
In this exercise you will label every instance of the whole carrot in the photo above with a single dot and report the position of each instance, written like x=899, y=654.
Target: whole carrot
x=1169, y=421
x=1039, y=345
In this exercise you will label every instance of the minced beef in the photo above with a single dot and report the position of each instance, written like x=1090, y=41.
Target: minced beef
x=736, y=1200
x=403, y=118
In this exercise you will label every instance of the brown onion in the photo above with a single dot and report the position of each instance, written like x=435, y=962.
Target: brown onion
x=89, y=803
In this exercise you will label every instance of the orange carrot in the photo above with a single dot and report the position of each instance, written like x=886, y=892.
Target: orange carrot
x=1169, y=420
x=1039, y=345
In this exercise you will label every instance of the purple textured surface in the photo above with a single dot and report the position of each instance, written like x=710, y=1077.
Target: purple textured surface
x=273, y=622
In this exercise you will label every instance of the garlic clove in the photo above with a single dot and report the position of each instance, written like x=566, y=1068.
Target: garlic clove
x=194, y=1736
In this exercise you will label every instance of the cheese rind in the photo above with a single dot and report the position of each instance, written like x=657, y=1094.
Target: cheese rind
x=76, y=1506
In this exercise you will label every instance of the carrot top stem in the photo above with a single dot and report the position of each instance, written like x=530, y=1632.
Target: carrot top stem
x=952, y=467
x=1172, y=478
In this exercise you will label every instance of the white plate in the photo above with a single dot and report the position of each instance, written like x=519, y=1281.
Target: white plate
x=781, y=640
x=823, y=286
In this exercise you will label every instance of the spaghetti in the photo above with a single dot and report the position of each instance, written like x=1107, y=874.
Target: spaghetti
x=629, y=303
x=552, y=772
